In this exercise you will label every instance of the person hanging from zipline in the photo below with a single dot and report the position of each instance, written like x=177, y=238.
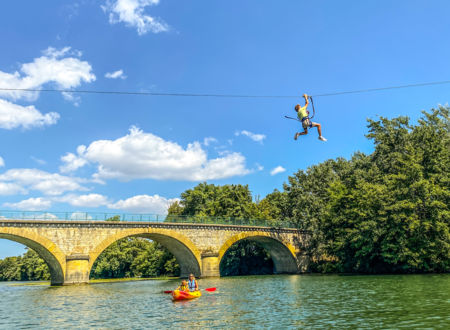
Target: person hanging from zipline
x=303, y=116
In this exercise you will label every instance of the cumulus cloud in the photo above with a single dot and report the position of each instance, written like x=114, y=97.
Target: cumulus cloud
x=47, y=183
x=255, y=137
x=144, y=204
x=132, y=13
x=31, y=204
x=14, y=115
x=11, y=189
x=2, y=162
x=115, y=75
x=277, y=170
x=73, y=162
x=140, y=155
x=88, y=200
x=67, y=72
x=61, y=67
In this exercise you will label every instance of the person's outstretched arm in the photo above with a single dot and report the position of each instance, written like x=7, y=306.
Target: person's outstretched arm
x=306, y=100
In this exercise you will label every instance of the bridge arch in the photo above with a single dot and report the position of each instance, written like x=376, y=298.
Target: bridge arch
x=45, y=248
x=282, y=253
x=186, y=253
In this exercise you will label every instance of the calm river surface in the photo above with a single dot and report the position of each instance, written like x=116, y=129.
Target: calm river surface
x=414, y=301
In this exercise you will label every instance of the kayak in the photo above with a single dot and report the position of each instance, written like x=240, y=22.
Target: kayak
x=183, y=295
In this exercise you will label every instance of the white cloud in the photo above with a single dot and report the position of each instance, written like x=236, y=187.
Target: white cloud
x=72, y=162
x=115, y=75
x=11, y=189
x=80, y=216
x=58, y=66
x=66, y=73
x=208, y=140
x=39, y=161
x=55, y=53
x=47, y=183
x=13, y=116
x=43, y=216
x=31, y=204
x=2, y=162
x=144, y=204
x=89, y=200
x=140, y=155
x=277, y=170
x=255, y=137
x=131, y=12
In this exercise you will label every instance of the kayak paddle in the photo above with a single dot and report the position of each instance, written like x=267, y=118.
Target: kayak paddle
x=208, y=289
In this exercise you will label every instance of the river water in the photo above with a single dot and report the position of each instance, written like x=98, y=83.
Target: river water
x=282, y=301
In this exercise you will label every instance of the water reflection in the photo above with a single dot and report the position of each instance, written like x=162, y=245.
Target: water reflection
x=240, y=302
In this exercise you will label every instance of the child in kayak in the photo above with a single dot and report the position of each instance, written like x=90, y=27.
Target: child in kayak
x=184, y=286
x=303, y=114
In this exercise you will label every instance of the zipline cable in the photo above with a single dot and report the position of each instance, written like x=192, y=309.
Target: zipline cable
x=222, y=95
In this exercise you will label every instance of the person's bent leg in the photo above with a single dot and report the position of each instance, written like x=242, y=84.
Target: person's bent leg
x=319, y=130
x=300, y=133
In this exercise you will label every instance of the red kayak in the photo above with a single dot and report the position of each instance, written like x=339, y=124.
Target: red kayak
x=183, y=295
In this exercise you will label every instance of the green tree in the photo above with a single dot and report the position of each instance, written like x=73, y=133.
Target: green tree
x=28, y=267
x=391, y=215
x=229, y=201
x=208, y=200
x=274, y=208
x=134, y=257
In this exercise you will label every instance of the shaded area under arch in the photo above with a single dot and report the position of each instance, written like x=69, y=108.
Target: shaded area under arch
x=54, y=265
x=283, y=258
x=183, y=250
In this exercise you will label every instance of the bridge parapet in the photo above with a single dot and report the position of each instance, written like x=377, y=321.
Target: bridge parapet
x=71, y=247
x=130, y=217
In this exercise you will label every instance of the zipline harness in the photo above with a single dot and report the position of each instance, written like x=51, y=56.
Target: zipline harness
x=309, y=117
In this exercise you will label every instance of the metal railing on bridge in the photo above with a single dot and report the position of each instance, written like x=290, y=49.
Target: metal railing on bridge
x=97, y=216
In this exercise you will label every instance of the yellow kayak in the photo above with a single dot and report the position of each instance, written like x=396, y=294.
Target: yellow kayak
x=183, y=295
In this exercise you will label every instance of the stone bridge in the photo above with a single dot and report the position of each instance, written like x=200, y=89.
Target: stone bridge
x=70, y=248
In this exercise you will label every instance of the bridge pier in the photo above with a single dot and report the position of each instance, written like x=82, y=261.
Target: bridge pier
x=77, y=269
x=210, y=265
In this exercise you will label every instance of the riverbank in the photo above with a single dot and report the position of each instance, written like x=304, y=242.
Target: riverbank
x=96, y=281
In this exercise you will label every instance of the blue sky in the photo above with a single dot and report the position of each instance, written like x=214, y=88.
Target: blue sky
x=116, y=153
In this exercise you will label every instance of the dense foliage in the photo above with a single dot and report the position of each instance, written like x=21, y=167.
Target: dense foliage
x=134, y=257
x=229, y=201
x=384, y=212
x=387, y=212
x=29, y=267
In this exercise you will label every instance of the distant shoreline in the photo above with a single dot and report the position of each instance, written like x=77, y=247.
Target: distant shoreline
x=95, y=281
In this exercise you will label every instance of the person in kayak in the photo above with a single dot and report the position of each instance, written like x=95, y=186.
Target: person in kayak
x=192, y=283
x=303, y=114
x=184, y=286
